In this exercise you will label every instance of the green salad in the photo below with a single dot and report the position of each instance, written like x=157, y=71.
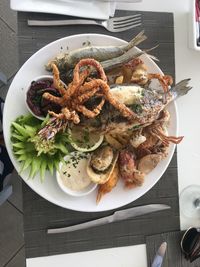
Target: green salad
x=33, y=151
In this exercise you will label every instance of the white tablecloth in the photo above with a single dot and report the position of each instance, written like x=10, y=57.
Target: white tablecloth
x=187, y=66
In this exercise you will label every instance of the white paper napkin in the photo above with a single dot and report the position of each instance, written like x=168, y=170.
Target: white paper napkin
x=119, y=257
x=85, y=9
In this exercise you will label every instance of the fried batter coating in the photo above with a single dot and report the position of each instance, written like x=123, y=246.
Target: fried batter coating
x=67, y=115
x=56, y=80
x=79, y=91
x=89, y=62
x=109, y=185
x=88, y=113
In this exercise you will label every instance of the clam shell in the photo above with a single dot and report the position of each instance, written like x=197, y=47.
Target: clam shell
x=101, y=178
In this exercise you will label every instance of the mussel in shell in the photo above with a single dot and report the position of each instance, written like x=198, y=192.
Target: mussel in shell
x=101, y=164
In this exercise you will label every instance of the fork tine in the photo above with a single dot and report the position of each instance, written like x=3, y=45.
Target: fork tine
x=120, y=29
x=126, y=17
x=126, y=23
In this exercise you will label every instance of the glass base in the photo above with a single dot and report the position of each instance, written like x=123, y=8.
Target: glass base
x=190, y=201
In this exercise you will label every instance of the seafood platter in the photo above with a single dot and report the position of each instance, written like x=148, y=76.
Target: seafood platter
x=93, y=126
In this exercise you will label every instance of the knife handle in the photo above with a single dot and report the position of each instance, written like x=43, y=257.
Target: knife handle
x=62, y=22
x=86, y=225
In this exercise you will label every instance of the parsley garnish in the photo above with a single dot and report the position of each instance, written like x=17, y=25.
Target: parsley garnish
x=137, y=108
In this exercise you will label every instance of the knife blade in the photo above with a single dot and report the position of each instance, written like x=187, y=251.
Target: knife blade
x=158, y=259
x=116, y=216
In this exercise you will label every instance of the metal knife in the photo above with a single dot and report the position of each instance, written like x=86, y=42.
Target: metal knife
x=116, y=216
x=158, y=259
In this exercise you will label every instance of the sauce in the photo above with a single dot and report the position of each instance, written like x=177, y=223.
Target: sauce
x=73, y=173
x=38, y=105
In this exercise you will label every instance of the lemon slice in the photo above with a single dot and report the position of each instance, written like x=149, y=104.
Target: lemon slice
x=83, y=140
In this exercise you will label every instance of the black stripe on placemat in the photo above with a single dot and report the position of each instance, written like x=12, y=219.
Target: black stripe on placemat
x=40, y=214
x=173, y=256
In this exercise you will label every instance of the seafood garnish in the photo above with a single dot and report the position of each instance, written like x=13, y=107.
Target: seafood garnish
x=114, y=102
x=128, y=170
x=145, y=102
x=137, y=106
x=102, y=158
x=109, y=185
x=101, y=165
x=100, y=53
x=72, y=100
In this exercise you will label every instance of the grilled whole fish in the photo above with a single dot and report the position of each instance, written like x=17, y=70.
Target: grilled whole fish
x=145, y=102
x=66, y=61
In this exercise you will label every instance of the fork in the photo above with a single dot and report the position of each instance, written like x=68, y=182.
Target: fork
x=117, y=24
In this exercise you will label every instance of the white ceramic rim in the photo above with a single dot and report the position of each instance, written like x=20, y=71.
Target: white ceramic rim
x=7, y=129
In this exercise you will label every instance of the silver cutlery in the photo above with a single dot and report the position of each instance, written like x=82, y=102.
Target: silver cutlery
x=116, y=216
x=117, y=24
x=158, y=259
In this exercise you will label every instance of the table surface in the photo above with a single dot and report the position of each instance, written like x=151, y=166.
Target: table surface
x=188, y=154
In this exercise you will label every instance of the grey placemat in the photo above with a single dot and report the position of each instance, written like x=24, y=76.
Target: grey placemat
x=173, y=257
x=40, y=214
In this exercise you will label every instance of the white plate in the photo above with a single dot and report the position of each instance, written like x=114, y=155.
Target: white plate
x=15, y=106
x=100, y=10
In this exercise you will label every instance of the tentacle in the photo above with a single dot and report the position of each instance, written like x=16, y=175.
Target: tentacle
x=52, y=98
x=58, y=84
x=90, y=113
x=89, y=62
x=67, y=115
x=74, y=86
x=166, y=139
x=84, y=97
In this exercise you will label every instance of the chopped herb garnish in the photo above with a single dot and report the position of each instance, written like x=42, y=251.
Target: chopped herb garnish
x=86, y=135
x=134, y=127
x=137, y=108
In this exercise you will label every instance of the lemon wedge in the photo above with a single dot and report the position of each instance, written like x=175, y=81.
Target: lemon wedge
x=84, y=141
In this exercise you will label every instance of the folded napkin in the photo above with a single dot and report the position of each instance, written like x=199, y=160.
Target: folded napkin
x=6, y=166
x=173, y=256
x=85, y=9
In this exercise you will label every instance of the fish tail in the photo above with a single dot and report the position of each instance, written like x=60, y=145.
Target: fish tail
x=181, y=88
x=119, y=61
x=140, y=37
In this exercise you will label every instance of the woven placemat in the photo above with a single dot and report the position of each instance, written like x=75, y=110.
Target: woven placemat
x=40, y=214
x=173, y=256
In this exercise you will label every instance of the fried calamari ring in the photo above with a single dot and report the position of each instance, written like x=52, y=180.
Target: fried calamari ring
x=67, y=115
x=90, y=113
x=102, y=87
x=58, y=84
x=105, y=90
x=89, y=62
x=74, y=86
x=79, y=91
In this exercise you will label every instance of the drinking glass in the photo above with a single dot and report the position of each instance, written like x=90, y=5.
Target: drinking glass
x=190, y=201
